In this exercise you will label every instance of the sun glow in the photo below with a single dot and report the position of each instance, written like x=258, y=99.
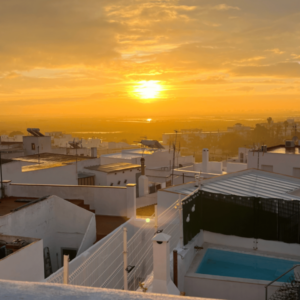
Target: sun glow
x=148, y=89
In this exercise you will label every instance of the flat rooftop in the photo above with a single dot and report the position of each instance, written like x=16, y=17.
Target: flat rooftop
x=10, y=203
x=122, y=155
x=254, y=183
x=281, y=149
x=251, y=182
x=48, y=160
x=111, y=168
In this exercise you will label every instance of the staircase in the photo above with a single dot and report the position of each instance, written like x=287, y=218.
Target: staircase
x=81, y=204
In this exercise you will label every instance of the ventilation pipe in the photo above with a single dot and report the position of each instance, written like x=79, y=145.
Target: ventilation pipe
x=143, y=165
x=197, y=181
x=94, y=152
x=143, y=180
x=205, y=160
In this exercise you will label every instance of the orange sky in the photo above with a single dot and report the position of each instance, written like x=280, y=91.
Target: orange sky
x=105, y=57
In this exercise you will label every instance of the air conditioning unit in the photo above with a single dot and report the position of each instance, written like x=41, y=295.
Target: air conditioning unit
x=289, y=144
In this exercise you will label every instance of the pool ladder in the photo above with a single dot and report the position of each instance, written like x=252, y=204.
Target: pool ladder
x=266, y=287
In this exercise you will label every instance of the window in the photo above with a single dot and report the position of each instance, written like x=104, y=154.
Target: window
x=32, y=146
x=111, y=184
x=268, y=168
x=119, y=182
x=296, y=172
x=125, y=181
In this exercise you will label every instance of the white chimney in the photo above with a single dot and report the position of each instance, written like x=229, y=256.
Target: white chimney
x=94, y=152
x=143, y=181
x=205, y=160
x=162, y=283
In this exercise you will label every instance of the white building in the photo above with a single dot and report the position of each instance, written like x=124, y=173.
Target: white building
x=36, y=144
x=16, y=138
x=208, y=169
x=47, y=168
x=154, y=159
x=239, y=128
x=118, y=174
x=60, y=139
x=282, y=159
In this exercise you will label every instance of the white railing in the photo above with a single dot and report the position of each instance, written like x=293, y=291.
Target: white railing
x=140, y=255
x=105, y=267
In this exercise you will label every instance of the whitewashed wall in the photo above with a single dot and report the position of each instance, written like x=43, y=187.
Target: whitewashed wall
x=235, y=167
x=282, y=163
x=57, y=175
x=105, y=179
x=26, y=264
x=89, y=237
x=105, y=200
x=44, y=144
x=59, y=223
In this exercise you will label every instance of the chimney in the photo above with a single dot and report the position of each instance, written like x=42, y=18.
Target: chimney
x=143, y=182
x=162, y=283
x=205, y=160
x=143, y=165
x=94, y=152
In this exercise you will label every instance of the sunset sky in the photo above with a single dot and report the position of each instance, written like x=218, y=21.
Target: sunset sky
x=142, y=57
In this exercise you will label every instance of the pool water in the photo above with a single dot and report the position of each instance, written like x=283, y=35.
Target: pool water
x=241, y=265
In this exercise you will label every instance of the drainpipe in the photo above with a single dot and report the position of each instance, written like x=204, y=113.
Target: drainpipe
x=143, y=165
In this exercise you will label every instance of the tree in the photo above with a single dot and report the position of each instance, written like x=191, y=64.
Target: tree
x=260, y=133
x=270, y=120
x=286, y=125
x=13, y=133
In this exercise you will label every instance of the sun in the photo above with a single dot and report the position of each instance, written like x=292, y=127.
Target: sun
x=148, y=89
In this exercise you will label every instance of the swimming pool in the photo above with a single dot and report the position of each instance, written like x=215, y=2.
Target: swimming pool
x=241, y=265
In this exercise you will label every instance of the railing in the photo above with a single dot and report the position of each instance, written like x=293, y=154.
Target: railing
x=266, y=287
x=105, y=266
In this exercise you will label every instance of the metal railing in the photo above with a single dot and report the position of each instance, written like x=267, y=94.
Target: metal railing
x=266, y=287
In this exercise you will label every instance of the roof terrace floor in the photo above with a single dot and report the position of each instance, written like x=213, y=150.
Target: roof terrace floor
x=9, y=203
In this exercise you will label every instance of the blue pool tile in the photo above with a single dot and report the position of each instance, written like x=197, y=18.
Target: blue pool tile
x=241, y=265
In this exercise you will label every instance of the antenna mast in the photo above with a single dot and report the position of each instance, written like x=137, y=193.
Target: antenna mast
x=174, y=152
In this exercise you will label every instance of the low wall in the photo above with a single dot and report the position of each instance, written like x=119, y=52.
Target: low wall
x=235, y=167
x=198, y=285
x=132, y=225
x=105, y=200
x=26, y=264
x=146, y=200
